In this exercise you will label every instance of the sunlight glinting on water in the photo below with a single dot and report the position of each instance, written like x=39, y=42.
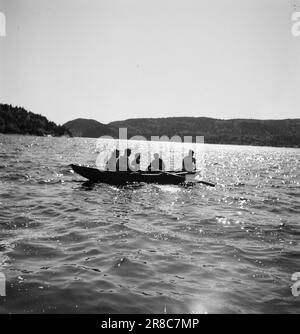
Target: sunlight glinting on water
x=69, y=246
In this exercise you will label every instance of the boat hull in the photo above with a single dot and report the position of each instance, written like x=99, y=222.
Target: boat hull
x=120, y=178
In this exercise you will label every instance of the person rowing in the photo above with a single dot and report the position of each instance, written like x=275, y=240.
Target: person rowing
x=189, y=162
x=112, y=161
x=123, y=164
x=136, y=163
x=157, y=164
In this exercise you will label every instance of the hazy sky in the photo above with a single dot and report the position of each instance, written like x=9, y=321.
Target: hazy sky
x=117, y=59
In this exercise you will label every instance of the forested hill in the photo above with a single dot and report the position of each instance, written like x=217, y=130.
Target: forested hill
x=16, y=120
x=284, y=133
x=90, y=128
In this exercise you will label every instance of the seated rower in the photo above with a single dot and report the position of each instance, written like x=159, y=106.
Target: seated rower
x=157, y=164
x=136, y=164
x=111, y=164
x=189, y=162
x=123, y=164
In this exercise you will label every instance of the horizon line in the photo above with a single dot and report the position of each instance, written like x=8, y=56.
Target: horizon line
x=141, y=118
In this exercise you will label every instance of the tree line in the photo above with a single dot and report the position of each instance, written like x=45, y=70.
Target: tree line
x=17, y=120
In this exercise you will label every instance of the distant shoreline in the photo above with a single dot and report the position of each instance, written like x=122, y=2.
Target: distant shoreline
x=93, y=138
x=283, y=133
x=239, y=132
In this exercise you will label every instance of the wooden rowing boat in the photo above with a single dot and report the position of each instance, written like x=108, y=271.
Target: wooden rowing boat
x=95, y=175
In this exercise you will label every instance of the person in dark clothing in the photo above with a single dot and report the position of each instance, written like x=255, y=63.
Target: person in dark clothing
x=123, y=164
x=189, y=162
x=136, y=164
x=111, y=164
x=157, y=164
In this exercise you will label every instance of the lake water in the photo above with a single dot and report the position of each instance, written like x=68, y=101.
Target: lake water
x=69, y=247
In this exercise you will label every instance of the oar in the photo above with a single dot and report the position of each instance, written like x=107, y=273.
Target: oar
x=174, y=175
x=181, y=177
x=209, y=184
x=196, y=181
x=206, y=183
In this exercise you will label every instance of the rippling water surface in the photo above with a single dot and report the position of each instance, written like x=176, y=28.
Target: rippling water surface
x=69, y=247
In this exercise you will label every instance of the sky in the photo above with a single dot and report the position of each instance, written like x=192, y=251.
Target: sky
x=117, y=59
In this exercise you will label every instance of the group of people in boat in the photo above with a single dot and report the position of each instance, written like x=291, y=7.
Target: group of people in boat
x=122, y=163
